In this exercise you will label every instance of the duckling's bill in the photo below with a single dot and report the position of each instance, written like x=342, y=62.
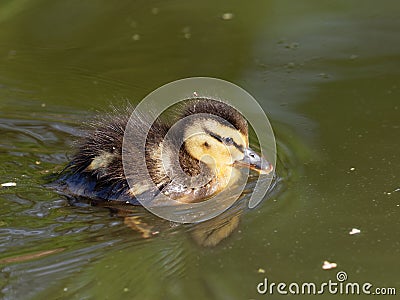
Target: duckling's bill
x=254, y=161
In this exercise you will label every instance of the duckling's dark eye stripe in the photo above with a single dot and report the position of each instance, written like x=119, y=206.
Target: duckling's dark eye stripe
x=219, y=138
x=215, y=136
x=240, y=148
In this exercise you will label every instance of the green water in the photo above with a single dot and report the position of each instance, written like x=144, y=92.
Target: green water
x=326, y=72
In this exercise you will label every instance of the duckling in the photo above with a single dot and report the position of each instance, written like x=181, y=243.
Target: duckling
x=210, y=141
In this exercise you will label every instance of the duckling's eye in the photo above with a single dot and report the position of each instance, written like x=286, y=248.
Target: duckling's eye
x=228, y=141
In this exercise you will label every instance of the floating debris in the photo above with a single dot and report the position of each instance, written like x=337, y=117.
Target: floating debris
x=227, y=16
x=294, y=45
x=260, y=270
x=323, y=75
x=8, y=184
x=352, y=169
x=186, y=32
x=329, y=265
x=291, y=65
x=354, y=231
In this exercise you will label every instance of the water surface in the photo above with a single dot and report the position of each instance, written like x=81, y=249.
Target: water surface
x=327, y=74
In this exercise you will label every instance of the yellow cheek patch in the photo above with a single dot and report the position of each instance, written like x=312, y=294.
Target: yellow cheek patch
x=213, y=152
x=235, y=154
x=227, y=175
x=215, y=155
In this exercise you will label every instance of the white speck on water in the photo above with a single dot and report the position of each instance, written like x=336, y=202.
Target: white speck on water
x=329, y=265
x=323, y=75
x=227, y=16
x=354, y=231
x=8, y=184
x=186, y=32
x=352, y=169
x=261, y=270
x=136, y=37
x=155, y=10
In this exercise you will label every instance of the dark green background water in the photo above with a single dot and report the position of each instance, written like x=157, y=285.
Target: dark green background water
x=326, y=72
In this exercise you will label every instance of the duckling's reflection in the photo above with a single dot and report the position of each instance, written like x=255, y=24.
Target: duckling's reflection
x=213, y=231
x=206, y=234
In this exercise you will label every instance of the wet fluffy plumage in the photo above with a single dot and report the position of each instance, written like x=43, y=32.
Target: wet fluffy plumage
x=96, y=170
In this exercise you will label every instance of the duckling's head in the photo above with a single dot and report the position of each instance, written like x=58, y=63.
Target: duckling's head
x=216, y=134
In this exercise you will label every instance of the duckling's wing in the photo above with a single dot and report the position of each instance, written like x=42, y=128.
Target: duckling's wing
x=76, y=184
x=96, y=170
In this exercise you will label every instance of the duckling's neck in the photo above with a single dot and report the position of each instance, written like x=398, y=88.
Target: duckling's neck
x=190, y=165
x=200, y=181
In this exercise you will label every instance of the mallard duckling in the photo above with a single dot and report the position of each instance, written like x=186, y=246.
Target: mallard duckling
x=211, y=143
